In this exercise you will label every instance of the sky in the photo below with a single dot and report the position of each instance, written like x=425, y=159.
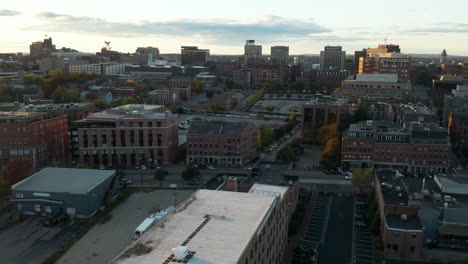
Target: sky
x=418, y=26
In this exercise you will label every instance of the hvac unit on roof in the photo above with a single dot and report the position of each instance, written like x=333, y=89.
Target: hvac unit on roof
x=180, y=252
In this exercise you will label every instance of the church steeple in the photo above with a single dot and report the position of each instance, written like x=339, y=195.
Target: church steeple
x=443, y=57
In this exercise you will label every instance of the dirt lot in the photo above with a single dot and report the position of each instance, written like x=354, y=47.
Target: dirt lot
x=105, y=240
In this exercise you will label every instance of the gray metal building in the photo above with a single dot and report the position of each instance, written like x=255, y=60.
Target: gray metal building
x=76, y=192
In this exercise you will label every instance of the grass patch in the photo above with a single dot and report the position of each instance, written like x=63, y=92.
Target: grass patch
x=100, y=217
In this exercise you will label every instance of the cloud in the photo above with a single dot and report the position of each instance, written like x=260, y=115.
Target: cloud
x=442, y=28
x=266, y=28
x=5, y=12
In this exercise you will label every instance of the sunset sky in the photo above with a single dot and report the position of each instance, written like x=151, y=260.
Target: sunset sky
x=419, y=26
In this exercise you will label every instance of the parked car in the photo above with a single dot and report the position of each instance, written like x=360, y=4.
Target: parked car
x=360, y=224
x=125, y=181
x=211, y=167
x=194, y=182
x=143, y=167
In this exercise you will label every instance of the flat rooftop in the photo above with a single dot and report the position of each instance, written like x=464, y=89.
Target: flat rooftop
x=214, y=128
x=411, y=222
x=216, y=226
x=131, y=112
x=63, y=180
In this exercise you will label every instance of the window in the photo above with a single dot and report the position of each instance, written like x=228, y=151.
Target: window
x=395, y=247
x=411, y=249
x=413, y=235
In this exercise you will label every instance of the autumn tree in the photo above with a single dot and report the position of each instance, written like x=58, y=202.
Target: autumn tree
x=292, y=118
x=361, y=178
x=15, y=170
x=197, y=86
x=267, y=136
x=129, y=100
x=286, y=154
x=259, y=139
x=330, y=155
x=326, y=133
x=217, y=107
x=63, y=95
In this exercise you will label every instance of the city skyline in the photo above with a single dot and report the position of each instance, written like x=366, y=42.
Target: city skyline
x=224, y=28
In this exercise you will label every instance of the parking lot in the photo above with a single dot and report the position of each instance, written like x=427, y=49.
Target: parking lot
x=336, y=246
x=29, y=242
x=108, y=238
x=318, y=221
x=362, y=250
x=283, y=107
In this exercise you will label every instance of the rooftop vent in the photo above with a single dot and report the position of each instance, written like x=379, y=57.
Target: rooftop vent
x=180, y=252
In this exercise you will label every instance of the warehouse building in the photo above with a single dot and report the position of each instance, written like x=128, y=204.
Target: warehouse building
x=76, y=192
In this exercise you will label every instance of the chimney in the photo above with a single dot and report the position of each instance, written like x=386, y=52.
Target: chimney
x=232, y=185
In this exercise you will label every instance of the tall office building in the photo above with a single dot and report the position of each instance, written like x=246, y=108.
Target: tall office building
x=443, y=57
x=384, y=48
x=148, y=50
x=280, y=55
x=357, y=55
x=42, y=48
x=191, y=55
x=251, y=50
x=332, y=58
x=386, y=63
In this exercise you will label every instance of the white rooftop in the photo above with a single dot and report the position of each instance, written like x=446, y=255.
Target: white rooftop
x=268, y=190
x=234, y=218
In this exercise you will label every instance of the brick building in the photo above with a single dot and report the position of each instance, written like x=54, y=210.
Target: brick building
x=378, y=87
x=386, y=63
x=164, y=96
x=329, y=78
x=180, y=79
x=382, y=144
x=37, y=137
x=401, y=228
x=221, y=227
x=265, y=74
x=221, y=143
x=73, y=111
x=321, y=111
x=126, y=135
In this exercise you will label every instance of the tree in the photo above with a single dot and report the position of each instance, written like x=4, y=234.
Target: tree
x=327, y=132
x=217, y=107
x=292, y=118
x=63, y=95
x=361, y=178
x=197, y=86
x=298, y=86
x=173, y=108
x=361, y=113
x=129, y=100
x=229, y=83
x=4, y=191
x=259, y=139
x=330, y=155
x=276, y=86
x=80, y=165
x=160, y=175
x=190, y=173
x=270, y=108
x=267, y=136
x=286, y=154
